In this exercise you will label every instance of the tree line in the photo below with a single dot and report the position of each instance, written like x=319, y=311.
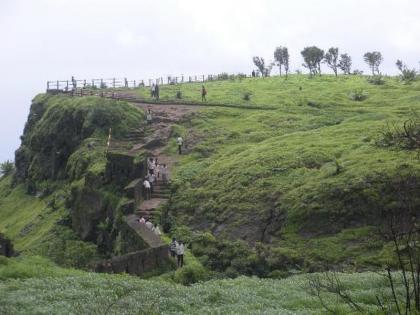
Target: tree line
x=314, y=56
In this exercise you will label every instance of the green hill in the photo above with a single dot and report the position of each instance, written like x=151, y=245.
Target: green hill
x=278, y=177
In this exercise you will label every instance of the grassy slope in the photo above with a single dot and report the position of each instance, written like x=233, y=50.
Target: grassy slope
x=25, y=219
x=249, y=160
x=35, y=286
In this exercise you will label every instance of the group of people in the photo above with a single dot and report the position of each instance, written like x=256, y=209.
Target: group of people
x=177, y=249
x=155, y=171
x=154, y=91
x=153, y=227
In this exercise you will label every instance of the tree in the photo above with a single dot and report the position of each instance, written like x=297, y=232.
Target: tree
x=6, y=168
x=260, y=64
x=373, y=59
x=312, y=57
x=281, y=57
x=331, y=59
x=345, y=63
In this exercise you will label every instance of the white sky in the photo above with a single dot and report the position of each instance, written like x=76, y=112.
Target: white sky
x=54, y=39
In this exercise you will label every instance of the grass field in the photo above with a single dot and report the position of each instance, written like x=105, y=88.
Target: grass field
x=35, y=286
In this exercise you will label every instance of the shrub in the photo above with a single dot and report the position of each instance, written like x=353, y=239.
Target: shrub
x=358, y=95
x=6, y=168
x=376, y=80
x=246, y=96
x=223, y=76
x=406, y=136
x=178, y=94
x=191, y=274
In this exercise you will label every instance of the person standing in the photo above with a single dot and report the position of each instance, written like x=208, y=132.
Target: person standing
x=147, y=190
x=180, y=254
x=149, y=116
x=152, y=90
x=172, y=247
x=179, y=141
x=157, y=91
x=203, y=94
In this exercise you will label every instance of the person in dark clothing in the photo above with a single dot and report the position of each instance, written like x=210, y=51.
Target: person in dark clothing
x=253, y=73
x=203, y=94
x=180, y=254
x=157, y=91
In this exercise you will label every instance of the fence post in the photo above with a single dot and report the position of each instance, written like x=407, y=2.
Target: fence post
x=58, y=85
x=67, y=85
x=150, y=82
x=84, y=83
x=48, y=85
x=169, y=80
x=113, y=83
x=195, y=79
x=134, y=83
x=203, y=77
x=182, y=79
x=93, y=83
x=189, y=79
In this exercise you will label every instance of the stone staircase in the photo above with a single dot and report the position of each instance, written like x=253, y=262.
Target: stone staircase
x=161, y=193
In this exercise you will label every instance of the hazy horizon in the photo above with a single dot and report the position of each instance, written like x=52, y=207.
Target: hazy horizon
x=54, y=40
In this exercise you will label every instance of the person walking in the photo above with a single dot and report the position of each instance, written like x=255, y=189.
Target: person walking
x=165, y=173
x=172, y=247
x=180, y=254
x=179, y=141
x=147, y=189
x=203, y=94
x=151, y=165
x=157, y=230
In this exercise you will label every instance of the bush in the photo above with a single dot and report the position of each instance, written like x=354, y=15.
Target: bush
x=406, y=136
x=6, y=168
x=191, y=274
x=358, y=95
x=376, y=80
x=246, y=96
x=178, y=94
x=223, y=76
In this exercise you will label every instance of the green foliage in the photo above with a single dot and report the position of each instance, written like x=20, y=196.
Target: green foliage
x=358, y=95
x=6, y=168
x=58, y=125
x=407, y=75
x=345, y=63
x=376, y=80
x=312, y=57
x=405, y=136
x=190, y=274
x=373, y=59
x=52, y=290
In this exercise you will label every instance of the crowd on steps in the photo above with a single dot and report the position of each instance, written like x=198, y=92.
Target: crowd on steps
x=155, y=172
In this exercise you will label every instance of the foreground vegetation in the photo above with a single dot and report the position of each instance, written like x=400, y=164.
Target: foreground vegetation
x=35, y=286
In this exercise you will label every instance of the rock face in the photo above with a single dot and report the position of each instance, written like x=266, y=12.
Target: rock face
x=6, y=247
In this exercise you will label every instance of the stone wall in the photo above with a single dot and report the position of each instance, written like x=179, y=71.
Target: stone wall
x=137, y=263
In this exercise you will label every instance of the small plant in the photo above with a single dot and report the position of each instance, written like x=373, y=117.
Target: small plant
x=407, y=75
x=6, y=168
x=406, y=136
x=178, y=95
x=358, y=95
x=376, y=79
x=247, y=96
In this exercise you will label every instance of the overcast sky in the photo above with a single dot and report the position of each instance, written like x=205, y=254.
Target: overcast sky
x=54, y=39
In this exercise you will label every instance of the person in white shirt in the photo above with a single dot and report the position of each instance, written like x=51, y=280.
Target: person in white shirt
x=142, y=220
x=149, y=224
x=165, y=173
x=147, y=190
x=179, y=141
x=149, y=116
x=180, y=254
